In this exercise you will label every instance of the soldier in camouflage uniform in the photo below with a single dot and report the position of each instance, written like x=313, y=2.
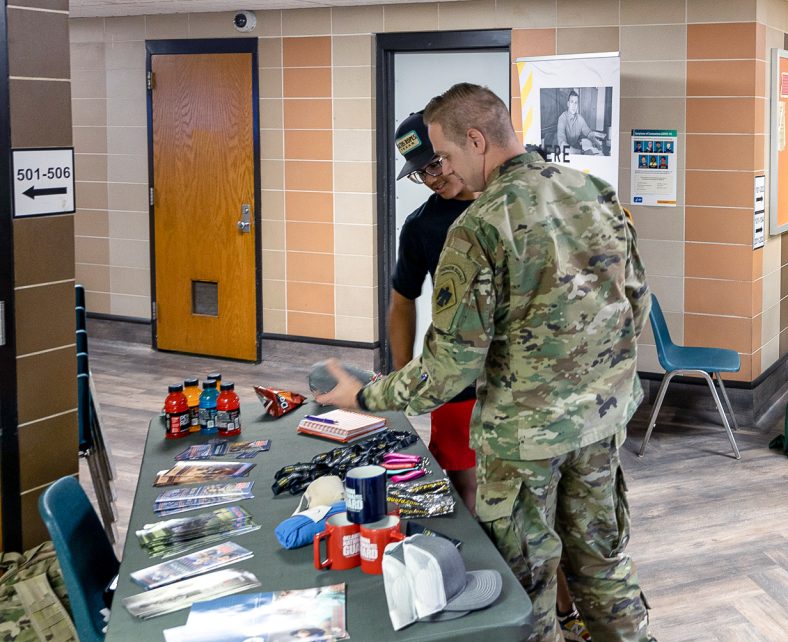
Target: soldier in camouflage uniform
x=540, y=295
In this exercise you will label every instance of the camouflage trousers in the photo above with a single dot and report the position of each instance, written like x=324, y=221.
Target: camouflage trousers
x=573, y=506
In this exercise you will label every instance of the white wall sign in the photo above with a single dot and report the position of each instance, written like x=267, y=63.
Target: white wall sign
x=759, y=219
x=570, y=106
x=43, y=181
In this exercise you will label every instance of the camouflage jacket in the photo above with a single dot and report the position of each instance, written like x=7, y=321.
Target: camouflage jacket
x=541, y=295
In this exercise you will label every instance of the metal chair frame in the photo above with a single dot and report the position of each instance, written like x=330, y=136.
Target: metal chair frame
x=662, y=337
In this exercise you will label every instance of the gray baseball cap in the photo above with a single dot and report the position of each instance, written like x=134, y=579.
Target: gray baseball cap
x=442, y=588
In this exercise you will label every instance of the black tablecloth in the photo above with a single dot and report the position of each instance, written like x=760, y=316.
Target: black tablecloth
x=279, y=569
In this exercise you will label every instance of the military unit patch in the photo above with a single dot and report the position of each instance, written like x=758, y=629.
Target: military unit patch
x=445, y=296
x=408, y=142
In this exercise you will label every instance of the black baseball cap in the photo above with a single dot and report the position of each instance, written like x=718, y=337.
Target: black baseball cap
x=413, y=143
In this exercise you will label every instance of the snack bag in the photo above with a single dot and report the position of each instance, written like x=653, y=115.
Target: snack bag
x=278, y=402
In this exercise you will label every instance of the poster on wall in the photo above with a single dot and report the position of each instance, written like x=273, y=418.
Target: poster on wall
x=570, y=106
x=654, y=166
x=778, y=167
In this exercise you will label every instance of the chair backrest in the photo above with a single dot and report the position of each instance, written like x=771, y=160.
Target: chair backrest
x=83, y=550
x=661, y=332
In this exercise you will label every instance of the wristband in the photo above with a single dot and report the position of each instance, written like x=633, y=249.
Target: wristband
x=360, y=400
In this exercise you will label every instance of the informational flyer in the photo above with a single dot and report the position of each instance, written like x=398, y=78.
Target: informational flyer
x=654, y=167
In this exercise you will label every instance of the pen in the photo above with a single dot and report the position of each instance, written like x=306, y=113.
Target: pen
x=322, y=420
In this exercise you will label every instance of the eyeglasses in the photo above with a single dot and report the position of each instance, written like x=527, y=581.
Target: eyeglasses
x=433, y=168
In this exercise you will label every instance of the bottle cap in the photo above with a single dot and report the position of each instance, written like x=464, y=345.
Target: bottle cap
x=227, y=385
x=191, y=381
x=215, y=375
x=175, y=387
x=209, y=383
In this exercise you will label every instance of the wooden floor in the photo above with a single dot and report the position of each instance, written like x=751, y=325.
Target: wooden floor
x=709, y=533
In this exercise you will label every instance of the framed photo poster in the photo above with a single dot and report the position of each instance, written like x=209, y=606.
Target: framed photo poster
x=570, y=106
x=778, y=166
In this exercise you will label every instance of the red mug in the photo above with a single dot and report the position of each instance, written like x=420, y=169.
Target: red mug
x=342, y=543
x=374, y=538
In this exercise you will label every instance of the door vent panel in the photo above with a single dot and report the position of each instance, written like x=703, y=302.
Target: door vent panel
x=205, y=298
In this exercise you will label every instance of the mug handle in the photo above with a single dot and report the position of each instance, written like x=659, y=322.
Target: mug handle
x=326, y=563
x=397, y=536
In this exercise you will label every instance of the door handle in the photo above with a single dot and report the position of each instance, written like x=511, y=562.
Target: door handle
x=245, y=224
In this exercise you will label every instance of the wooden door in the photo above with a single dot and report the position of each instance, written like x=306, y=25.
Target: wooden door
x=203, y=179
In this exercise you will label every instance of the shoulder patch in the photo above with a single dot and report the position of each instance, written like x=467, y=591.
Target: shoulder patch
x=445, y=293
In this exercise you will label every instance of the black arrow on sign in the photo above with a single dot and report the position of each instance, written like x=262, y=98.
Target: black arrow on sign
x=32, y=192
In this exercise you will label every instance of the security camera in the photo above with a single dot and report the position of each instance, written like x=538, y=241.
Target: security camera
x=245, y=21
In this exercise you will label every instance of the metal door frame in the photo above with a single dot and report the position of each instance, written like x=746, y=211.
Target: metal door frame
x=209, y=46
x=9, y=416
x=387, y=45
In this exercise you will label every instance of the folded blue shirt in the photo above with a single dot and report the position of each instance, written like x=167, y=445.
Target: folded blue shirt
x=299, y=530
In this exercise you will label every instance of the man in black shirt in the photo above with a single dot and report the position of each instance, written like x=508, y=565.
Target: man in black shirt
x=420, y=243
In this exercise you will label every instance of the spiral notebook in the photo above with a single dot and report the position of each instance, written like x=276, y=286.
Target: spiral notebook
x=341, y=425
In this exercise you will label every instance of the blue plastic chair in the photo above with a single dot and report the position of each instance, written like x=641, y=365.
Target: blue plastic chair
x=83, y=550
x=681, y=360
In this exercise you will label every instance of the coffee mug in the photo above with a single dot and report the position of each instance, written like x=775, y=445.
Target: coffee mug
x=373, y=541
x=342, y=544
x=365, y=494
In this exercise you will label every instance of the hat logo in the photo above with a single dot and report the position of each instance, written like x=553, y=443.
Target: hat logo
x=408, y=142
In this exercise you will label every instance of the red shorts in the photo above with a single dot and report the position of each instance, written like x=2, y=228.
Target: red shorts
x=450, y=435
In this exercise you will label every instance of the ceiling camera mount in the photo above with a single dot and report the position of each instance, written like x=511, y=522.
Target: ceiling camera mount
x=245, y=21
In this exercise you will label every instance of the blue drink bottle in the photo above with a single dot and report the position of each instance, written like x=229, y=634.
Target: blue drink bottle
x=208, y=406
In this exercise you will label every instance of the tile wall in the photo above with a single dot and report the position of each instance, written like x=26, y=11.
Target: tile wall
x=40, y=110
x=698, y=66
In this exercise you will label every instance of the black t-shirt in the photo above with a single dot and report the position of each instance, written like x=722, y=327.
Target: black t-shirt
x=420, y=244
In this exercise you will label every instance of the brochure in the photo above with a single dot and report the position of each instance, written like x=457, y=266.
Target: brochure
x=180, y=500
x=195, y=563
x=192, y=472
x=315, y=614
x=174, y=597
x=207, y=490
x=181, y=534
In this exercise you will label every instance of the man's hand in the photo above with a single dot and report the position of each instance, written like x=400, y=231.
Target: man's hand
x=343, y=395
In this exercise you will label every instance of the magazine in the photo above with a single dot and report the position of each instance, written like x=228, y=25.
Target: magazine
x=314, y=614
x=174, y=597
x=208, y=559
x=192, y=472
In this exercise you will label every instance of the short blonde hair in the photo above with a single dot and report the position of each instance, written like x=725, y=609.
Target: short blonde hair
x=465, y=106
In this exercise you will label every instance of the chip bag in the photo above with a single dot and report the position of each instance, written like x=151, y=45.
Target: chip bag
x=278, y=402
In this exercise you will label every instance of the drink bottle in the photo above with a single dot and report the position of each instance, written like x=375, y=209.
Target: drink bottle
x=176, y=413
x=228, y=411
x=192, y=391
x=208, y=406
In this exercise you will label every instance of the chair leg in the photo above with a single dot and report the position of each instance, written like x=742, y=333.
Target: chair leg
x=652, y=421
x=727, y=400
x=722, y=413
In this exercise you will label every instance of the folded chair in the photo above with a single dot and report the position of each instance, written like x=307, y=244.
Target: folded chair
x=681, y=360
x=83, y=550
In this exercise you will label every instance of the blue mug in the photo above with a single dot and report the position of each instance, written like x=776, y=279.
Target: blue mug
x=365, y=494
